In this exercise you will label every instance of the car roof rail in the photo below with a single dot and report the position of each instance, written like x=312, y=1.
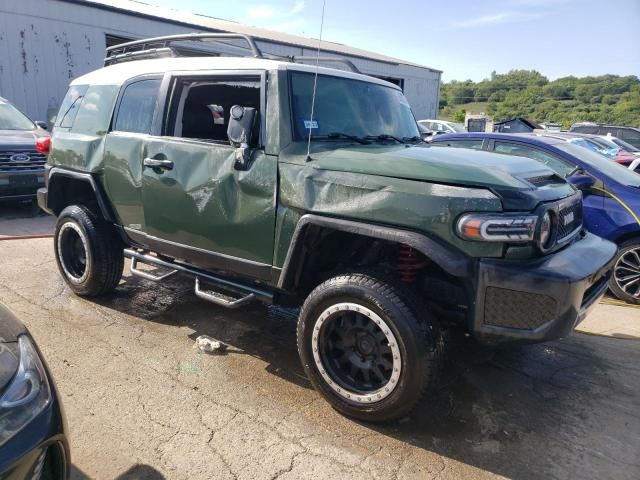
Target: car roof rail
x=160, y=47
x=157, y=47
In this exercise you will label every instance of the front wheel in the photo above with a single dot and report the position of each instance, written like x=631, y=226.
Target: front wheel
x=88, y=251
x=367, y=348
x=625, y=280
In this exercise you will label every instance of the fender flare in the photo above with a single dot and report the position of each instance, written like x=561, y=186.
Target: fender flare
x=450, y=260
x=100, y=195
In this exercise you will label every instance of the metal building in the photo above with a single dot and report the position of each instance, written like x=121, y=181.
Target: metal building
x=46, y=43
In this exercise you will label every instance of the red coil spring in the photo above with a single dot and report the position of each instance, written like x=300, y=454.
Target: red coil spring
x=409, y=264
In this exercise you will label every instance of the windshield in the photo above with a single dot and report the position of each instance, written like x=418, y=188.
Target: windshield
x=348, y=106
x=458, y=127
x=613, y=170
x=594, y=147
x=13, y=119
x=627, y=146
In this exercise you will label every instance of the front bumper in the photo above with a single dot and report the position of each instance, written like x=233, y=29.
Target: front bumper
x=543, y=299
x=20, y=184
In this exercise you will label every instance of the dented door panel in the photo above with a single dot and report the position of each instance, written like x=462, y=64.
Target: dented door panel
x=203, y=202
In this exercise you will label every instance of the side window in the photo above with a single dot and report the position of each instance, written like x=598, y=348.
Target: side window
x=200, y=109
x=560, y=166
x=70, y=105
x=94, y=114
x=138, y=102
x=475, y=144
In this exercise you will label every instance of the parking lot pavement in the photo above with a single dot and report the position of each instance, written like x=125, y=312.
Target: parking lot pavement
x=24, y=219
x=141, y=402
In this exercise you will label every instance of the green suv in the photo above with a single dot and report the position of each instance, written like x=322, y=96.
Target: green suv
x=269, y=180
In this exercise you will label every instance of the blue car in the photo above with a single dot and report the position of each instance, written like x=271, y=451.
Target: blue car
x=611, y=192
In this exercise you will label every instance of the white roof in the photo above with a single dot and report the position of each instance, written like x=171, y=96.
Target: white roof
x=203, y=22
x=121, y=72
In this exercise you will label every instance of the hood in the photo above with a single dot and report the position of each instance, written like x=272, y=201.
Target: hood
x=509, y=176
x=26, y=139
x=10, y=329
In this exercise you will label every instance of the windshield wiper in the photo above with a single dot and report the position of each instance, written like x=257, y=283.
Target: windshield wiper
x=414, y=139
x=383, y=137
x=339, y=135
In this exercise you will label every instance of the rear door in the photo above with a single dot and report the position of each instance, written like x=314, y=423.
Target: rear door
x=197, y=206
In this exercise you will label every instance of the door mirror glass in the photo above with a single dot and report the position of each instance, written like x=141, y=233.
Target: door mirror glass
x=242, y=133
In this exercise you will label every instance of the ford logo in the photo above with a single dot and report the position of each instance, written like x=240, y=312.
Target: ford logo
x=19, y=157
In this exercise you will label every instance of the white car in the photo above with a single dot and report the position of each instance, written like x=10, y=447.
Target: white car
x=441, y=126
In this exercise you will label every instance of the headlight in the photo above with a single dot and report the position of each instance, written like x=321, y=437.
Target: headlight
x=497, y=228
x=545, y=230
x=27, y=394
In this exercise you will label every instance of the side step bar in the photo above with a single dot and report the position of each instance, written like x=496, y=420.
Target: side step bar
x=249, y=292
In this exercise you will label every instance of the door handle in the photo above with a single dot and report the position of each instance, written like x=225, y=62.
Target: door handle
x=155, y=163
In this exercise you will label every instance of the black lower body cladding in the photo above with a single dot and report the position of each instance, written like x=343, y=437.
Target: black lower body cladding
x=543, y=299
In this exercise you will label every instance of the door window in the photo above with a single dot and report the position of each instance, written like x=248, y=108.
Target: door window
x=560, y=166
x=200, y=108
x=137, y=105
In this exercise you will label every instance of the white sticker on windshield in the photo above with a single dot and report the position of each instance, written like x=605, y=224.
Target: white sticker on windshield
x=309, y=124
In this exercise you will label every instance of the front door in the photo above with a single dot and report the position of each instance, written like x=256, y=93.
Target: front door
x=197, y=206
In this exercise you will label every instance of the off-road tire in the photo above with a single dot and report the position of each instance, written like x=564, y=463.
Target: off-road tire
x=419, y=343
x=627, y=249
x=103, y=252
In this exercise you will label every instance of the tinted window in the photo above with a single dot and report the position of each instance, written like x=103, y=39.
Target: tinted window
x=475, y=144
x=70, y=105
x=200, y=109
x=630, y=136
x=551, y=161
x=585, y=129
x=135, y=113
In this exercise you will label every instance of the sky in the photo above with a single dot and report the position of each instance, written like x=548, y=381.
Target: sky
x=467, y=39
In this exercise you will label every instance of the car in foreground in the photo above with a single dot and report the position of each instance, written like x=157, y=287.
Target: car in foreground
x=611, y=193
x=628, y=134
x=24, y=146
x=337, y=210
x=33, y=439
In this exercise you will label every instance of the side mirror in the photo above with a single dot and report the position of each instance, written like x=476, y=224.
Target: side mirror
x=41, y=124
x=581, y=180
x=242, y=133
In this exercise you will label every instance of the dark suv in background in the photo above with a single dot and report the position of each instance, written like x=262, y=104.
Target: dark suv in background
x=628, y=134
x=24, y=146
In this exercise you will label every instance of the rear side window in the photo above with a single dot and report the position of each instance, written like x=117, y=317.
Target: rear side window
x=70, y=106
x=94, y=114
x=554, y=163
x=475, y=144
x=137, y=105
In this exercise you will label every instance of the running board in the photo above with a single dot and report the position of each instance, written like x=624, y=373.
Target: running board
x=249, y=292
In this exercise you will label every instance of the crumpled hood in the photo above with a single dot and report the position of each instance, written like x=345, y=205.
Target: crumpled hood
x=20, y=138
x=506, y=175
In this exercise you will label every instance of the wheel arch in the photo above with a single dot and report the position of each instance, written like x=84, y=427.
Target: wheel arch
x=68, y=187
x=451, y=261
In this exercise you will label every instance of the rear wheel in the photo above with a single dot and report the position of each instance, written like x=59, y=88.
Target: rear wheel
x=366, y=347
x=625, y=280
x=88, y=251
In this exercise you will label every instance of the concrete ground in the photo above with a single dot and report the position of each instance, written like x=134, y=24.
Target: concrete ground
x=142, y=402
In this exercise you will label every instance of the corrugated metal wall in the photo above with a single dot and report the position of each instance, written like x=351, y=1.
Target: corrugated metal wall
x=46, y=43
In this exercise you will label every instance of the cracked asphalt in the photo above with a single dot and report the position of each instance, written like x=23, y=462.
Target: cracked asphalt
x=142, y=402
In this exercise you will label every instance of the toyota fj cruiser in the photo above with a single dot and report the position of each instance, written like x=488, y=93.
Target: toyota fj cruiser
x=274, y=181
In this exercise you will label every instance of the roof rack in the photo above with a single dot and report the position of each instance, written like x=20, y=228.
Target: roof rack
x=160, y=47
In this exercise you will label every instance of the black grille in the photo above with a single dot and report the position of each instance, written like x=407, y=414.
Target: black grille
x=569, y=219
x=514, y=309
x=35, y=161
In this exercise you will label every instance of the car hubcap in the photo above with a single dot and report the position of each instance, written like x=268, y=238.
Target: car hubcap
x=627, y=272
x=72, y=251
x=356, y=353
